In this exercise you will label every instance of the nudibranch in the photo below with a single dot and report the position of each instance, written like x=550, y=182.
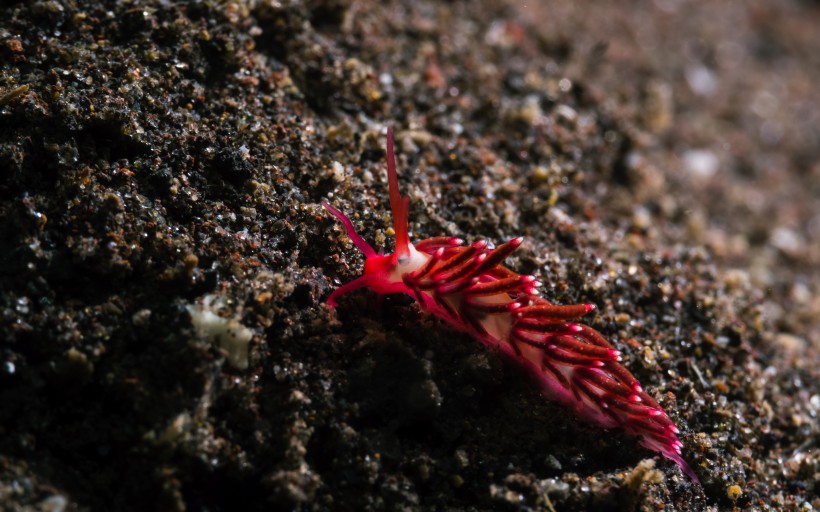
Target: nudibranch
x=467, y=286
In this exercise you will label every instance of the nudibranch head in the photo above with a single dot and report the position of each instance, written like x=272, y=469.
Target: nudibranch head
x=383, y=273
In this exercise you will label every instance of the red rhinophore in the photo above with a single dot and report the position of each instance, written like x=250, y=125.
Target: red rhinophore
x=469, y=288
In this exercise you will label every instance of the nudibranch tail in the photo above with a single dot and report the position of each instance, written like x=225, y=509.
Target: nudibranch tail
x=581, y=369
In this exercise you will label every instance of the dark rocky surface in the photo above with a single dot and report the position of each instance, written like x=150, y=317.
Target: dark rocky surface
x=161, y=168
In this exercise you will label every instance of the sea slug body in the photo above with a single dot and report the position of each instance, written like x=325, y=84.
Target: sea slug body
x=468, y=287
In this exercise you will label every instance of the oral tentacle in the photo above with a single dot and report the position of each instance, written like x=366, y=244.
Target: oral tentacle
x=351, y=231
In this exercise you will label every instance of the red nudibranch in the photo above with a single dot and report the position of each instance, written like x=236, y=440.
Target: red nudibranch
x=468, y=287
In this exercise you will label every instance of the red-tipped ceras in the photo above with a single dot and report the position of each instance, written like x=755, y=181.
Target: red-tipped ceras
x=468, y=287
